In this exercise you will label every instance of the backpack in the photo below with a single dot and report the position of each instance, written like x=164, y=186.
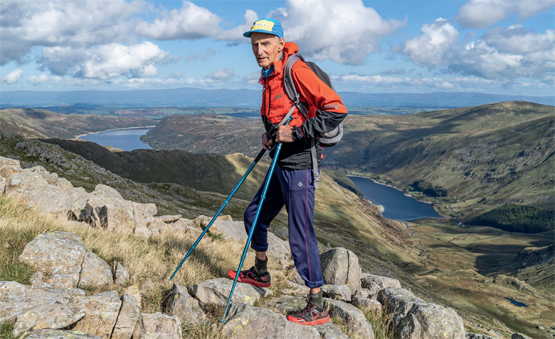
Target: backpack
x=330, y=138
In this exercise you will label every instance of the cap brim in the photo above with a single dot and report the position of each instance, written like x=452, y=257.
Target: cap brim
x=248, y=34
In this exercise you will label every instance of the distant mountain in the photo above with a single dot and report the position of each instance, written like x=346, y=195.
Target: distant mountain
x=194, y=97
x=38, y=123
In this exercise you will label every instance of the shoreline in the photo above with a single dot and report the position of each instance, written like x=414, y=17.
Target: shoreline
x=113, y=129
x=398, y=189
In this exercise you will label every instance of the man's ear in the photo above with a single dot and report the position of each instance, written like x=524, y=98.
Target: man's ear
x=281, y=44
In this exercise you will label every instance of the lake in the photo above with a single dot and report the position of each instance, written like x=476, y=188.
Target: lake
x=397, y=206
x=124, y=139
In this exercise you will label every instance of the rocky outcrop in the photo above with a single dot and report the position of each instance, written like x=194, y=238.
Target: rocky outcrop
x=157, y=325
x=355, y=320
x=417, y=319
x=374, y=283
x=337, y=292
x=245, y=321
x=59, y=334
x=127, y=317
x=216, y=291
x=183, y=306
x=340, y=267
x=101, y=314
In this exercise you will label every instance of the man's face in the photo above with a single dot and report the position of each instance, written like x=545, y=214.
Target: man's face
x=266, y=48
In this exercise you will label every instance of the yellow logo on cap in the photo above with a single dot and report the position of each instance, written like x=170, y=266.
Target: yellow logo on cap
x=264, y=25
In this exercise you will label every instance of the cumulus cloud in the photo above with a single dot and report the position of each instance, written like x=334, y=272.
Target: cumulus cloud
x=188, y=22
x=341, y=31
x=252, y=78
x=436, y=39
x=63, y=23
x=221, y=74
x=105, y=61
x=12, y=77
x=483, y=13
x=41, y=79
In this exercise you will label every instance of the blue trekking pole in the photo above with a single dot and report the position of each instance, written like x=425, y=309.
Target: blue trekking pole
x=258, y=157
x=262, y=197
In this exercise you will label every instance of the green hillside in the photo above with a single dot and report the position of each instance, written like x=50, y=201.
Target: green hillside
x=39, y=123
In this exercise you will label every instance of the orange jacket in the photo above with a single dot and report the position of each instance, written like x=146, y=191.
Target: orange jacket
x=326, y=109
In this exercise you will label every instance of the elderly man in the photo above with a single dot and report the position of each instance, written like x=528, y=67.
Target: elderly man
x=292, y=183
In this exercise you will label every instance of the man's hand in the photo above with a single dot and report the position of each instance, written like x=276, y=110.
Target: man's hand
x=285, y=134
x=266, y=142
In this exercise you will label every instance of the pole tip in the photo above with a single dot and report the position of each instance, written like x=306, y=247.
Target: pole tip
x=222, y=320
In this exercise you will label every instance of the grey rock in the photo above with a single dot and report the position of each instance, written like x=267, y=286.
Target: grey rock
x=8, y=167
x=288, y=304
x=245, y=321
x=183, y=306
x=330, y=331
x=296, y=289
x=478, y=336
x=95, y=271
x=363, y=293
x=127, y=317
x=295, y=277
x=375, y=283
x=168, y=219
x=357, y=324
x=519, y=336
x=416, y=318
x=340, y=267
x=337, y=292
x=64, y=184
x=36, y=308
x=59, y=334
x=541, y=327
x=217, y=291
x=102, y=314
x=157, y=326
x=367, y=304
x=121, y=273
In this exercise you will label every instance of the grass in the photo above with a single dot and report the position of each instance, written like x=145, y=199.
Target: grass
x=6, y=330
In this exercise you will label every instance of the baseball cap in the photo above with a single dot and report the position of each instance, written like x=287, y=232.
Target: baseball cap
x=270, y=26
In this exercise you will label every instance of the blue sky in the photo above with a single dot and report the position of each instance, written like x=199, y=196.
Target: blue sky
x=489, y=46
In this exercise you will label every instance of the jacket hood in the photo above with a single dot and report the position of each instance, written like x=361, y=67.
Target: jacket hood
x=290, y=48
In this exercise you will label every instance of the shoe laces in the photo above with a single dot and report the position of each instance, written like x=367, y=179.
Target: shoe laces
x=308, y=308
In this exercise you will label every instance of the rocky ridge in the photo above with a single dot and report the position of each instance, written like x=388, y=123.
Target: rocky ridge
x=55, y=305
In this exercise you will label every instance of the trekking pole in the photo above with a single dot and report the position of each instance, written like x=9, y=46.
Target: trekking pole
x=261, y=201
x=258, y=157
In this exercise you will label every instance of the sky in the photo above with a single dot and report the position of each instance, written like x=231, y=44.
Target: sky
x=487, y=46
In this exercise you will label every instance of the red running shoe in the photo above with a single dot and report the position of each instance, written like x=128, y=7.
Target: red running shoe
x=252, y=277
x=310, y=315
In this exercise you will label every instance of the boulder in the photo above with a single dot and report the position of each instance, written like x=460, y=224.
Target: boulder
x=121, y=274
x=60, y=258
x=8, y=167
x=157, y=325
x=216, y=291
x=246, y=321
x=415, y=318
x=288, y=304
x=519, y=336
x=37, y=308
x=31, y=185
x=375, y=283
x=330, y=331
x=295, y=277
x=64, y=184
x=356, y=322
x=134, y=291
x=340, y=267
x=337, y=292
x=363, y=293
x=366, y=304
x=60, y=334
x=127, y=317
x=296, y=289
x=102, y=313
x=183, y=306
x=478, y=336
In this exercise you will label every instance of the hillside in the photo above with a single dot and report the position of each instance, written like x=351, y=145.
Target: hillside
x=39, y=123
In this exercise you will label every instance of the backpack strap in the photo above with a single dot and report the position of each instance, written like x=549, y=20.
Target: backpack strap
x=294, y=95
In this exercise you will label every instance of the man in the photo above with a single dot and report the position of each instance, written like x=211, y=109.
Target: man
x=292, y=183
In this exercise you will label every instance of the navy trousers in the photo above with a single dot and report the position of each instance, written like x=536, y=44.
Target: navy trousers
x=293, y=189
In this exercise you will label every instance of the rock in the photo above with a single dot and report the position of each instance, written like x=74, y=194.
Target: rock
x=110, y=214
x=416, y=318
x=367, y=304
x=356, y=322
x=61, y=257
x=95, y=271
x=157, y=325
x=64, y=184
x=127, y=317
x=134, y=291
x=102, y=313
x=340, y=267
x=478, y=336
x=519, y=336
x=363, y=293
x=168, y=219
x=217, y=291
x=79, y=199
x=513, y=282
x=246, y=321
x=295, y=277
x=296, y=289
x=375, y=283
x=330, y=331
x=541, y=327
x=157, y=228
x=142, y=215
x=8, y=167
x=183, y=306
x=121, y=274
x=288, y=304
x=59, y=334
x=337, y=292
x=36, y=308
x=32, y=187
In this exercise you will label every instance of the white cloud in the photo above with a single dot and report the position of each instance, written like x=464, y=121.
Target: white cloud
x=236, y=34
x=221, y=74
x=342, y=31
x=252, y=78
x=483, y=13
x=28, y=23
x=429, y=48
x=12, y=77
x=516, y=39
x=41, y=79
x=106, y=61
x=189, y=22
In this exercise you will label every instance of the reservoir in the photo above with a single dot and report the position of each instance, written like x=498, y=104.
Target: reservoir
x=124, y=139
x=397, y=206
